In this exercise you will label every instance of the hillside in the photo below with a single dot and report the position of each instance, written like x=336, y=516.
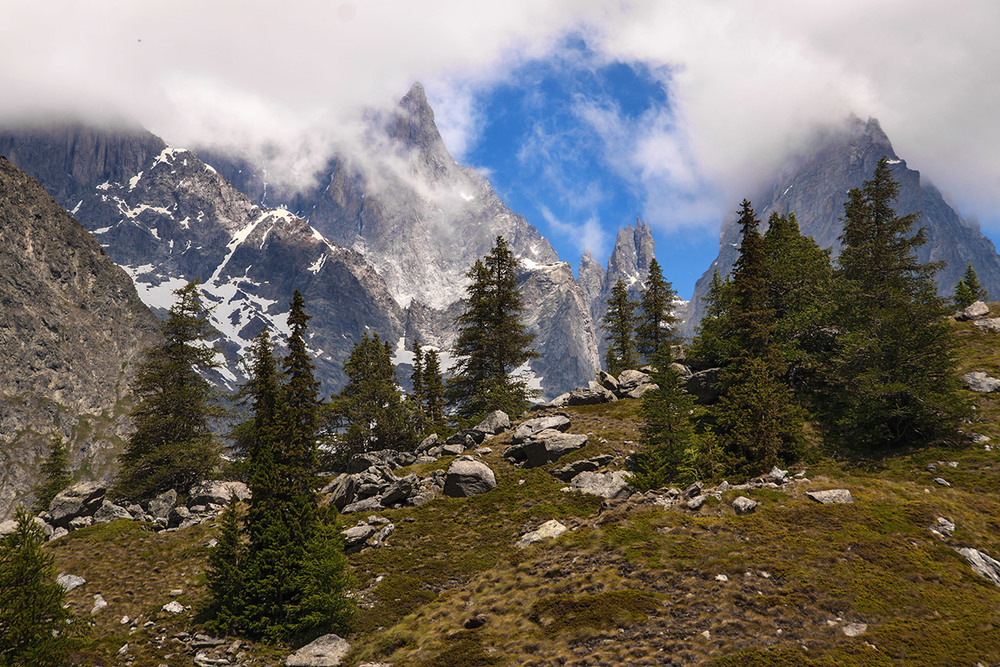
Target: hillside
x=631, y=581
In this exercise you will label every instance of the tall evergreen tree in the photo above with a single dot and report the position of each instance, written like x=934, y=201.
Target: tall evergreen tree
x=893, y=379
x=173, y=446
x=619, y=325
x=654, y=332
x=371, y=406
x=225, y=573
x=712, y=347
x=492, y=341
x=969, y=289
x=418, y=398
x=301, y=405
x=433, y=392
x=33, y=629
x=56, y=471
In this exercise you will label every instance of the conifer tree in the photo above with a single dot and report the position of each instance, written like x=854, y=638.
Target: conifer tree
x=56, y=471
x=969, y=289
x=173, y=446
x=371, y=406
x=893, y=379
x=711, y=346
x=225, y=573
x=492, y=341
x=654, y=333
x=433, y=392
x=301, y=405
x=618, y=325
x=418, y=398
x=33, y=629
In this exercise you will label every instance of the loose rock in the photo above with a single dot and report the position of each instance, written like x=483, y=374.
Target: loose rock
x=980, y=382
x=831, y=496
x=982, y=564
x=609, y=484
x=70, y=581
x=327, y=651
x=468, y=477
x=973, y=311
x=744, y=505
x=548, y=530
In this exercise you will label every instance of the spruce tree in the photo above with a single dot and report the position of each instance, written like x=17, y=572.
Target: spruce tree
x=371, y=406
x=492, y=341
x=619, y=325
x=433, y=392
x=712, y=347
x=173, y=446
x=969, y=289
x=33, y=628
x=225, y=573
x=418, y=398
x=654, y=333
x=56, y=471
x=892, y=379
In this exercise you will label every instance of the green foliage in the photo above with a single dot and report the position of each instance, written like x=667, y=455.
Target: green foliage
x=33, y=629
x=371, y=406
x=892, y=377
x=433, y=393
x=969, y=289
x=225, y=573
x=172, y=446
x=492, y=341
x=654, y=333
x=56, y=471
x=564, y=612
x=618, y=325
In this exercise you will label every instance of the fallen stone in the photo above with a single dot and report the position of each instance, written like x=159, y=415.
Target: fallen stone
x=173, y=607
x=973, y=311
x=70, y=581
x=178, y=515
x=693, y=490
x=544, y=447
x=160, y=506
x=629, y=381
x=58, y=532
x=592, y=394
x=399, y=491
x=608, y=381
x=452, y=449
x=548, y=530
x=696, y=502
x=830, y=496
x=609, y=484
x=81, y=522
x=427, y=443
x=744, y=505
x=81, y=499
x=942, y=481
x=530, y=427
x=495, y=422
x=7, y=527
x=468, y=477
x=373, y=504
x=982, y=564
x=213, y=491
x=202, y=640
x=108, y=512
x=942, y=528
x=327, y=651
x=571, y=470
x=99, y=604
x=855, y=629
x=356, y=537
x=342, y=491
x=980, y=382
x=777, y=475
x=991, y=324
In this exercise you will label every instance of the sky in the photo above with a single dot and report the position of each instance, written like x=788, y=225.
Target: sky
x=585, y=114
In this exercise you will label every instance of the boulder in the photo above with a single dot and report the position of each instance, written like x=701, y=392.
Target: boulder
x=682, y=370
x=980, y=382
x=991, y=324
x=373, y=504
x=629, y=381
x=495, y=422
x=982, y=564
x=592, y=394
x=76, y=523
x=703, y=385
x=70, y=581
x=610, y=484
x=427, y=443
x=7, y=527
x=548, y=530
x=696, y=502
x=468, y=477
x=178, y=515
x=79, y=500
x=399, y=491
x=608, y=381
x=693, y=490
x=218, y=492
x=160, y=506
x=571, y=470
x=560, y=401
x=327, y=651
x=831, y=496
x=356, y=537
x=744, y=505
x=452, y=449
x=530, y=427
x=109, y=512
x=544, y=447
x=173, y=607
x=342, y=491
x=973, y=311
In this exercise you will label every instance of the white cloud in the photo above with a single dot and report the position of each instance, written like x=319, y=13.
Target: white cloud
x=585, y=236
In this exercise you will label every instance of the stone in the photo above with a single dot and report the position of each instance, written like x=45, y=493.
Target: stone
x=81, y=522
x=160, y=506
x=696, y=502
x=58, y=532
x=777, y=475
x=373, y=504
x=744, y=505
x=640, y=390
x=342, y=491
x=942, y=481
x=427, y=443
x=99, y=604
x=468, y=477
x=477, y=621
x=81, y=499
x=530, y=427
x=7, y=527
x=693, y=490
x=855, y=629
x=495, y=422
x=178, y=515
x=468, y=438
x=682, y=370
x=212, y=491
x=703, y=385
x=608, y=381
x=592, y=394
x=973, y=311
x=109, y=512
x=547, y=531
x=173, y=607
x=942, y=528
x=830, y=496
x=630, y=380
x=571, y=470
x=452, y=449
x=399, y=491
x=982, y=564
x=609, y=484
x=356, y=537
x=327, y=651
x=991, y=324
x=70, y=581
x=980, y=382
x=544, y=447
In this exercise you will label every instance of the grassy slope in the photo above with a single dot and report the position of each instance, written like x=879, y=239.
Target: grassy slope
x=631, y=583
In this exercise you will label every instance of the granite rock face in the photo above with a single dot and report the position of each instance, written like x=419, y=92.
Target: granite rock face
x=72, y=329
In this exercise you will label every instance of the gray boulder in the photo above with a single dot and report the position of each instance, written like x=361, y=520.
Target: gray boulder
x=399, y=491
x=610, y=484
x=703, y=385
x=547, y=531
x=76, y=523
x=218, y=492
x=327, y=651
x=178, y=516
x=633, y=384
x=991, y=324
x=831, y=496
x=696, y=502
x=468, y=477
x=108, y=512
x=982, y=564
x=427, y=443
x=571, y=470
x=373, y=504
x=356, y=537
x=980, y=382
x=744, y=505
x=160, y=506
x=70, y=581
x=7, y=527
x=530, y=427
x=544, y=447
x=452, y=449
x=608, y=381
x=342, y=491
x=592, y=394
x=682, y=370
x=973, y=311
x=495, y=422
x=82, y=499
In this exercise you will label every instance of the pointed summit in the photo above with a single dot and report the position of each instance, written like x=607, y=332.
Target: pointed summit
x=413, y=125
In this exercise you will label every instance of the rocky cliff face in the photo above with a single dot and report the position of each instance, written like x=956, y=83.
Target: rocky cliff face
x=71, y=330
x=175, y=219
x=814, y=186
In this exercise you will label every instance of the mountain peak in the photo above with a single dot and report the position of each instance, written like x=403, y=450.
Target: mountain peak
x=413, y=123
